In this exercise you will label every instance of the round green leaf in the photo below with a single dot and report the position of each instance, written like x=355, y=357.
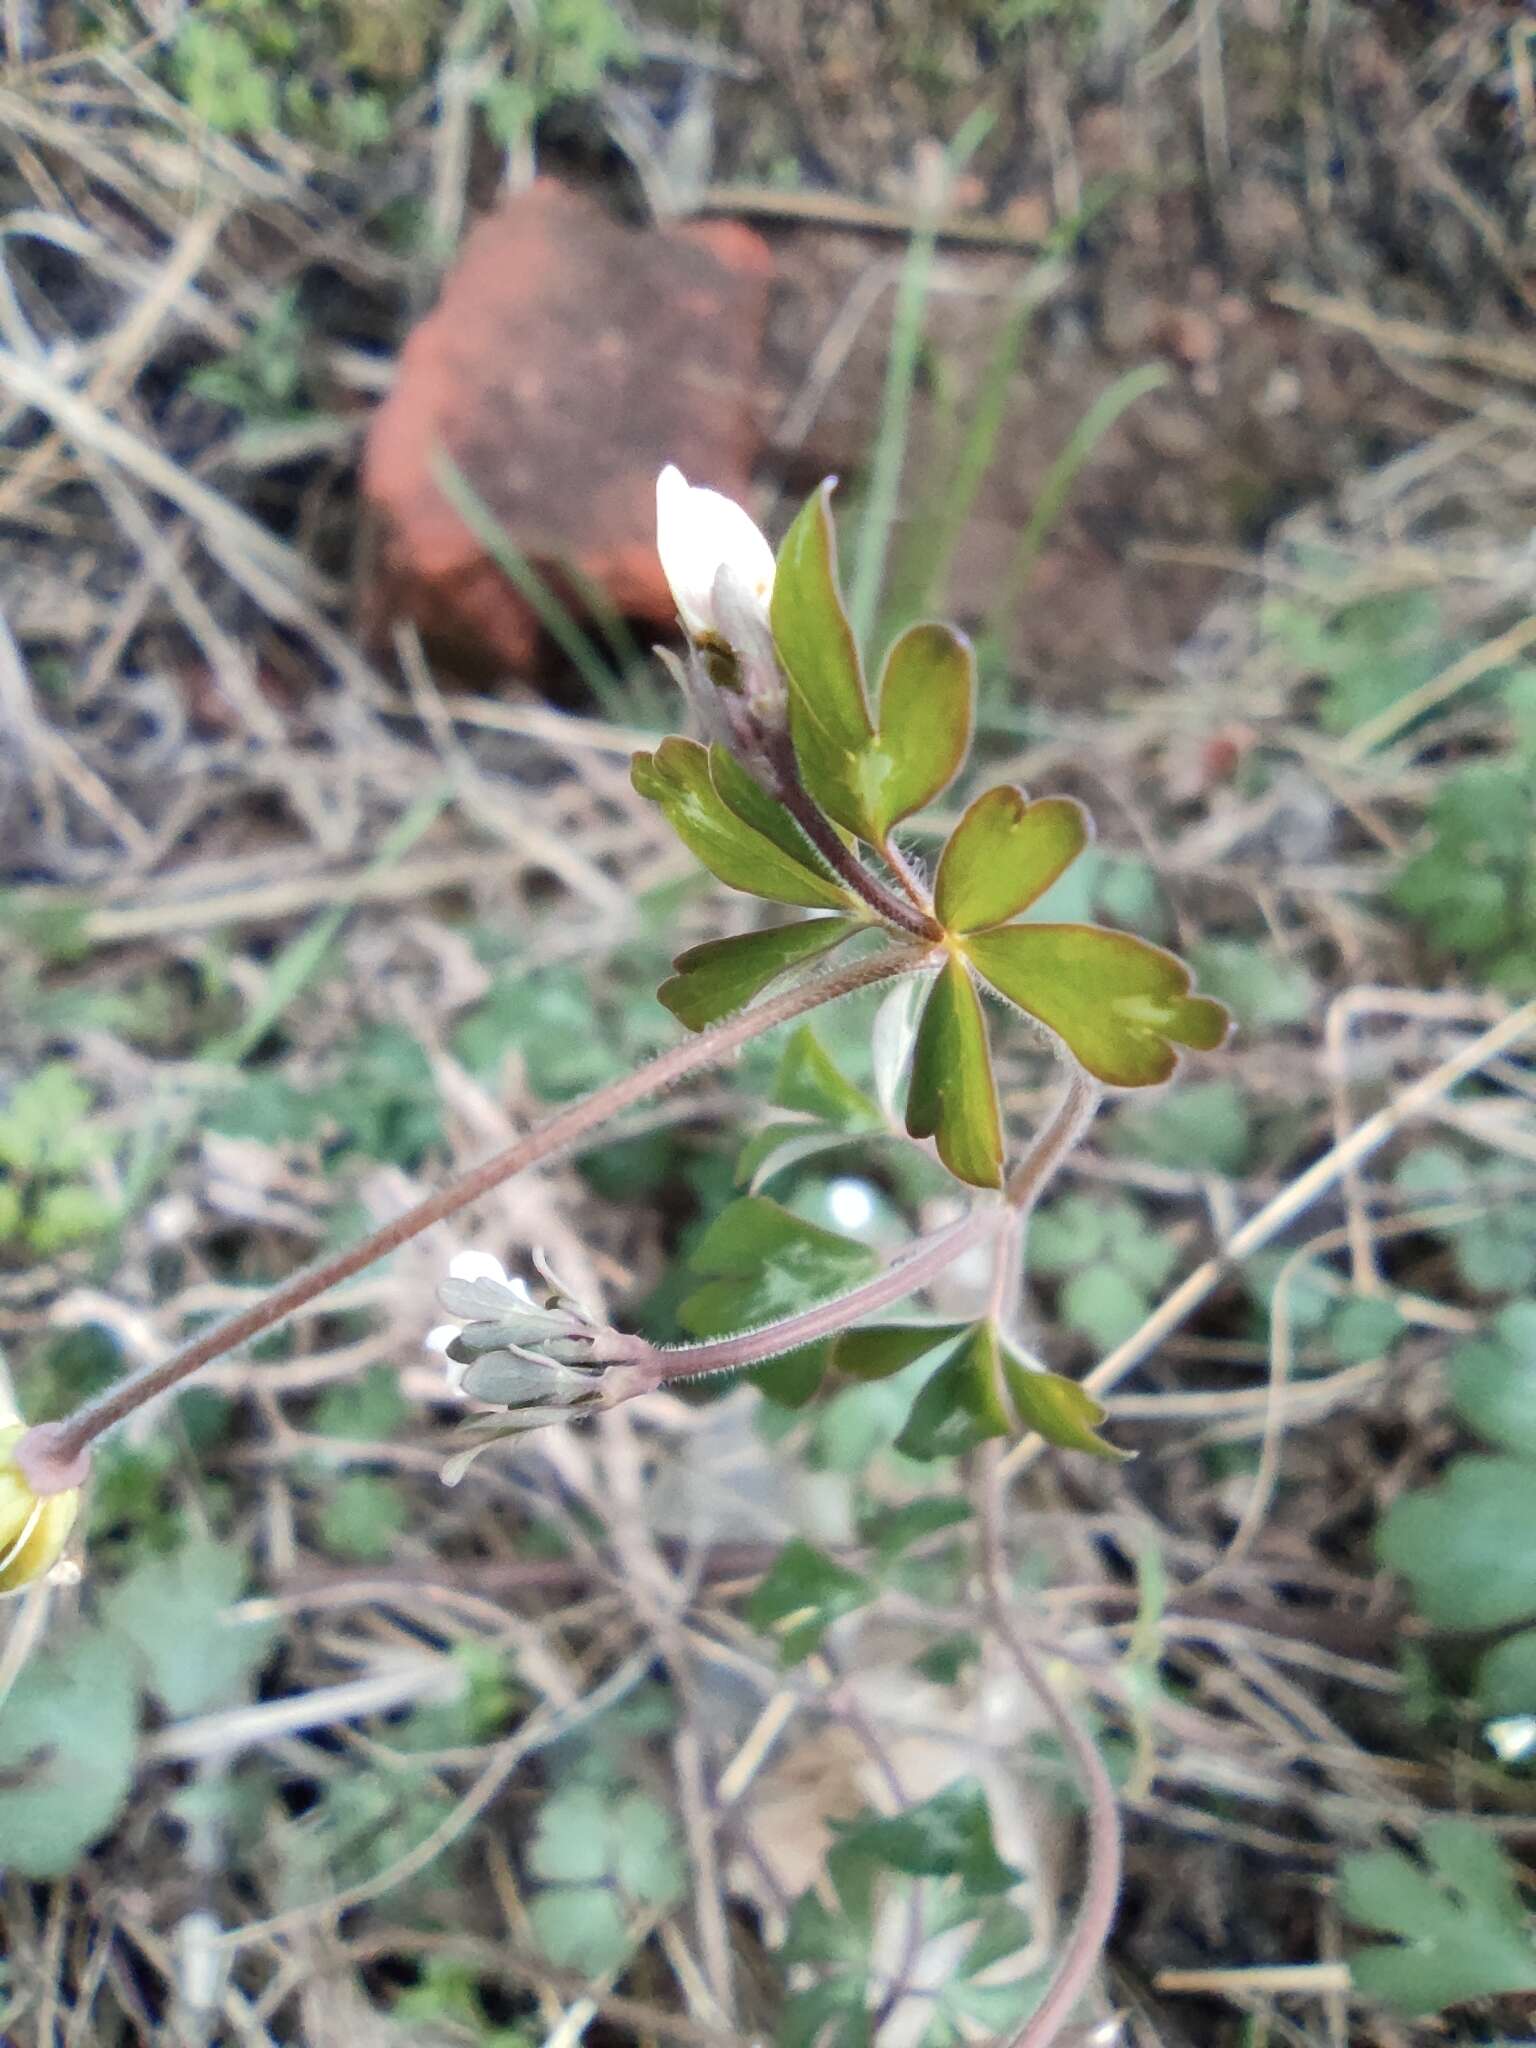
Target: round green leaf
x=723, y=975
x=1120, y=1005
x=1004, y=854
x=1493, y=1383
x=1468, y=1545
x=953, y=1097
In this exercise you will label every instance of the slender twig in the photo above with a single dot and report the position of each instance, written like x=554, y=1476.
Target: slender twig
x=61, y=1445
x=1085, y=1945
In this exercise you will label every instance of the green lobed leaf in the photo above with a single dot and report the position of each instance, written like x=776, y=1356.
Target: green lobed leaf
x=1201, y=1126
x=952, y=1097
x=885, y=1348
x=723, y=975
x=678, y=780
x=982, y=1390
x=1104, y=1304
x=171, y=1615
x=1003, y=856
x=1465, y=1544
x=68, y=1739
x=1120, y=1005
x=804, y=1592
x=949, y=1835
x=1459, y=1927
x=926, y=707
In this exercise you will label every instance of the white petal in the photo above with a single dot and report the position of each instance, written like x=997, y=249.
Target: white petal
x=440, y=1338
x=699, y=532
x=476, y=1266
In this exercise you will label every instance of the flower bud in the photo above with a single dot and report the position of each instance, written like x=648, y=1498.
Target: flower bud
x=34, y=1527
x=539, y=1358
x=703, y=537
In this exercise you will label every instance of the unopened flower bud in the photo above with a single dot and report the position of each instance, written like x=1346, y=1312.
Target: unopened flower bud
x=34, y=1527
x=702, y=536
x=540, y=1359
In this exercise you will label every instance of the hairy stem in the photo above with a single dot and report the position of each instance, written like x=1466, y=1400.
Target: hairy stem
x=890, y=908
x=906, y=1273
x=1101, y=1895
x=69, y=1439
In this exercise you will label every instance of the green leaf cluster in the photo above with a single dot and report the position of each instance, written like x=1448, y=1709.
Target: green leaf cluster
x=1473, y=887
x=869, y=759
x=602, y=1854
x=1109, y=1258
x=48, y=1143
x=1456, y=1923
x=381, y=1101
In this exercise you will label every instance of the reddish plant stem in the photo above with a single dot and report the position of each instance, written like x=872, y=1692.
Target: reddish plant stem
x=1101, y=1896
x=890, y=908
x=906, y=1273
x=69, y=1439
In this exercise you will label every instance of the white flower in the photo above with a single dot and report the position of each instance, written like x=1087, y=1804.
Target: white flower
x=716, y=559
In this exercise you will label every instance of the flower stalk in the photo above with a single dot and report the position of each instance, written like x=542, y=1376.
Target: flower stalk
x=70, y=1439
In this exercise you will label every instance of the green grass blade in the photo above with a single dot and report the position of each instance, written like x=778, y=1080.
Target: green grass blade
x=896, y=400
x=554, y=616
x=1063, y=474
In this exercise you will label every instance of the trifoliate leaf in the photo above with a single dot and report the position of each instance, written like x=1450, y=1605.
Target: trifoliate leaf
x=1120, y=1005
x=1493, y=1383
x=953, y=1097
x=1004, y=854
x=1506, y=1677
x=171, y=1615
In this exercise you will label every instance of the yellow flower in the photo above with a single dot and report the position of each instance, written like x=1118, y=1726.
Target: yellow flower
x=33, y=1527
